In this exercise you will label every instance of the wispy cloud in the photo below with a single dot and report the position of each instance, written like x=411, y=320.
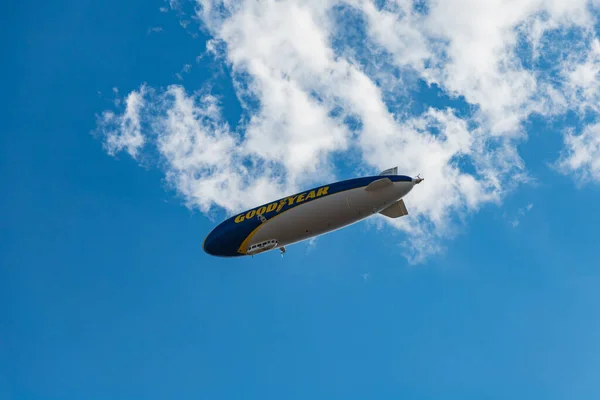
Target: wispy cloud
x=516, y=220
x=184, y=70
x=319, y=79
x=311, y=244
x=155, y=29
x=581, y=156
x=124, y=131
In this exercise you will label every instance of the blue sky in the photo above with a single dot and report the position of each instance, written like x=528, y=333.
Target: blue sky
x=489, y=289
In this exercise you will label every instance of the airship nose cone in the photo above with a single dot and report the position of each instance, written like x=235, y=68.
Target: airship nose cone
x=222, y=242
x=210, y=245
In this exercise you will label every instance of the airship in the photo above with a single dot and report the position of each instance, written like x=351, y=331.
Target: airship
x=310, y=213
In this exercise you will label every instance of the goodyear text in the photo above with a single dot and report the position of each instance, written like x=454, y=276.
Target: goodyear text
x=278, y=206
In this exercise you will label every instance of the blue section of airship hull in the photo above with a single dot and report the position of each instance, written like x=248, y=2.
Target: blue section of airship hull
x=227, y=237
x=224, y=240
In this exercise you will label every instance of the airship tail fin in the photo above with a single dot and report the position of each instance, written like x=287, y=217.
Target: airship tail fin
x=398, y=209
x=379, y=184
x=391, y=171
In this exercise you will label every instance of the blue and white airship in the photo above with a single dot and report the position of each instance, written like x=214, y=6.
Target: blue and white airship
x=310, y=213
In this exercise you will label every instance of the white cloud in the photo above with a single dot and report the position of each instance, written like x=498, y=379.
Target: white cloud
x=123, y=132
x=581, y=156
x=581, y=75
x=300, y=80
x=472, y=50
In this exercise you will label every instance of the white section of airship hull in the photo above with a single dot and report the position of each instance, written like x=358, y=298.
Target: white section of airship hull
x=327, y=214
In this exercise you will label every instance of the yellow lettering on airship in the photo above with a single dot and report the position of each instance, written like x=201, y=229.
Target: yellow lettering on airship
x=278, y=206
x=281, y=204
x=323, y=191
